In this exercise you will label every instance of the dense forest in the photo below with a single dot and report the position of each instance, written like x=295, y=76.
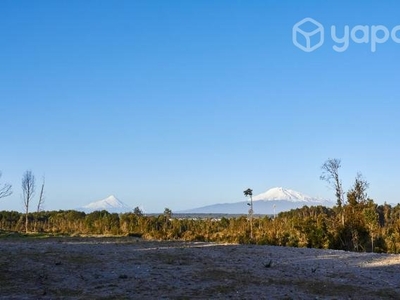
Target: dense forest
x=355, y=227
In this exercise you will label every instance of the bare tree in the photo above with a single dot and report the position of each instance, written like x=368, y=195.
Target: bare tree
x=28, y=191
x=5, y=189
x=330, y=173
x=41, y=197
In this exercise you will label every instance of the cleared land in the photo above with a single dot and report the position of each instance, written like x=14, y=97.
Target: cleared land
x=131, y=268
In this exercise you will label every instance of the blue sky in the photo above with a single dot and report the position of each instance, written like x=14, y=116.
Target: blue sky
x=181, y=104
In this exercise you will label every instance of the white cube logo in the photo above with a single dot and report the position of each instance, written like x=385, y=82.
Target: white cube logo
x=308, y=35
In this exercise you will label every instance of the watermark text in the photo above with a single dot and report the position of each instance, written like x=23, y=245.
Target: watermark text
x=309, y=34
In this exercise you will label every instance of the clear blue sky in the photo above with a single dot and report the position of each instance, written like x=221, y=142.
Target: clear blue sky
x=182, y=104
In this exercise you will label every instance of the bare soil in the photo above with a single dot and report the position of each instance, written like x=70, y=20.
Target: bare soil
x=131, y=268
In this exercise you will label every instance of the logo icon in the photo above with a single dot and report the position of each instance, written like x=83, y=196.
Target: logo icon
x=308, y=34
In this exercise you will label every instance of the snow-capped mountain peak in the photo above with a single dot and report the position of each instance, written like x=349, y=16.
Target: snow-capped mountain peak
x=280, y=193
x=111, y=204
x=273, y=201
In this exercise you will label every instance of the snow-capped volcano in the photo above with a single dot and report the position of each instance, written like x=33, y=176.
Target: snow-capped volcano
x=110, y=204
x=280, y=193
x=273, y=201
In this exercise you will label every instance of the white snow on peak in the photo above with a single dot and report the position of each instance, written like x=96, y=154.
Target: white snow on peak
x=110, y=202
x=280, y=193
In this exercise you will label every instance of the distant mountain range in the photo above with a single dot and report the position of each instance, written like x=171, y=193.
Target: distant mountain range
x=273, y=201
x=110, y=204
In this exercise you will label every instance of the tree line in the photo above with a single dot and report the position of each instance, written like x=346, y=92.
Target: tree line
x=367, y=227
x=355, y=223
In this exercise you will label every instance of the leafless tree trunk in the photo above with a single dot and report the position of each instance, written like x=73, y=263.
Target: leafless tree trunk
x=28, y=191
x=5, y=189
x=330, y=173
x=41, y=197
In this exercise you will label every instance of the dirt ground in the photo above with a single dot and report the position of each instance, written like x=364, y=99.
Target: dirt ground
x=131, y=268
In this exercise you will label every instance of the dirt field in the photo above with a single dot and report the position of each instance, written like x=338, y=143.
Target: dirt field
x=131, y=268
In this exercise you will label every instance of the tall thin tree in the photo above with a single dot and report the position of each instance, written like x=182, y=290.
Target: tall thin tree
x=28, y=191
x=330, y=173
x=41, y=197
x=249, y=193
